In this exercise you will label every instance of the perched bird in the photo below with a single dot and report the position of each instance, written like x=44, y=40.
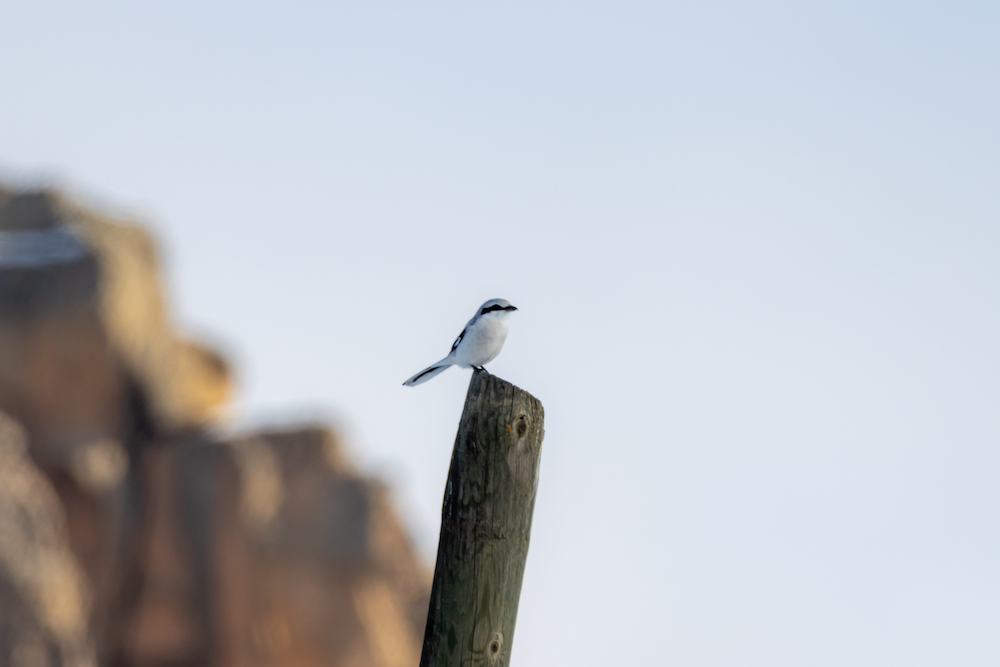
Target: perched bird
x=478, y=344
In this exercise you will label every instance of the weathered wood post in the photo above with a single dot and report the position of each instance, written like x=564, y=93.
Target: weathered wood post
x=485, y=527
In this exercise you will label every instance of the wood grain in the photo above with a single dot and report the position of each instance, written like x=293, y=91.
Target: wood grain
x=485, y=527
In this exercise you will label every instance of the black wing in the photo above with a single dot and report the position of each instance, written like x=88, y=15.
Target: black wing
x=458, y=340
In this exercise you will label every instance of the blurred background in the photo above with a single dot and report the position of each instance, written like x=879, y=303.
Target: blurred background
x=756, y=255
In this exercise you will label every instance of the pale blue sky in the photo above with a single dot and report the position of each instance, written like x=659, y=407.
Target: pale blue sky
x=755, y=248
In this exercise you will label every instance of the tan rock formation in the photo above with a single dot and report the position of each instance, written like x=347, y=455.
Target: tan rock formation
x=307, y=560
x=44, y=598
x=152, y=543
x=80, y=294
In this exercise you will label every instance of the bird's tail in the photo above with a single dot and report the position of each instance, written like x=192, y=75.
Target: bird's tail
x=428, y=373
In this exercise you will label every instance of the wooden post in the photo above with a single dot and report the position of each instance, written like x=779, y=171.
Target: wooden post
x=485, y=527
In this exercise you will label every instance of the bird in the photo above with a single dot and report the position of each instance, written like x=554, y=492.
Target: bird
x=478, y=344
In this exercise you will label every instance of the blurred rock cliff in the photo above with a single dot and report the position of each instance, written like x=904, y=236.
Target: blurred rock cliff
x=129, y=534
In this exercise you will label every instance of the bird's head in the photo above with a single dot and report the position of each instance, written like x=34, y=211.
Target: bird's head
x=499, y=308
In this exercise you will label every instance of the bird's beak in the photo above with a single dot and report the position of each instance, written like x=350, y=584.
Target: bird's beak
x=510, y=308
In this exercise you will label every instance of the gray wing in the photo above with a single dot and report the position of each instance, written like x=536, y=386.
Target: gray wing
x=464, y=331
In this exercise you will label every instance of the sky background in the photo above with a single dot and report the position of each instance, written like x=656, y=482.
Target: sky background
x=755, y=248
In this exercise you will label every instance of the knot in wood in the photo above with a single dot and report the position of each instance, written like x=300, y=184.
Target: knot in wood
x=495, y=648
x=520, y=459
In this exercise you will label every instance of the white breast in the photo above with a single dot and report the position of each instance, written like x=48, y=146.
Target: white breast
x=482, y=342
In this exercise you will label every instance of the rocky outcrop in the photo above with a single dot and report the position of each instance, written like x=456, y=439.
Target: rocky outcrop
x=81, y=304
x=150, y=541
x=44, y=597
x=305, y=559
